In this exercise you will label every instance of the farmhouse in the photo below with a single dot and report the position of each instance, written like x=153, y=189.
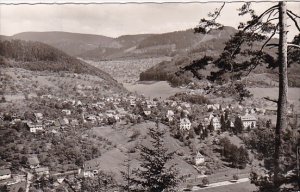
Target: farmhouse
x=33, y=162
x=5, y=174
x=91, y=168
x=66, y=111
x=249, y=120
x=170, y=115
x=42, y=171
x=199, y=159
x=185, y=124
x=216, y=123
x=33, y=128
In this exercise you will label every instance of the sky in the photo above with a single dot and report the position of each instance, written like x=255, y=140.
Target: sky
x=114, y=20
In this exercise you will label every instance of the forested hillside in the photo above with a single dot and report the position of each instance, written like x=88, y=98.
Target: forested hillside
x=70, y=43
x=38, y=56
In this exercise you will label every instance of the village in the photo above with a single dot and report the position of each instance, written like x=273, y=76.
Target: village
x=36, y=135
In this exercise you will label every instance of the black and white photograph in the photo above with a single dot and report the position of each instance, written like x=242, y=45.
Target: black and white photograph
x=149, y=96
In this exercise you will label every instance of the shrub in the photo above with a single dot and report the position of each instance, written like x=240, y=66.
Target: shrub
x=205, y=181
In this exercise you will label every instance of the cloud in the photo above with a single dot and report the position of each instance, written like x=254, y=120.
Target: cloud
x=116, y=19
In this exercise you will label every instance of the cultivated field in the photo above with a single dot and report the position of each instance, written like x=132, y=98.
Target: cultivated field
x=158, y=89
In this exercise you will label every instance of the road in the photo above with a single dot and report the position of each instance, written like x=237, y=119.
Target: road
x=227, y=186
x=28, y=181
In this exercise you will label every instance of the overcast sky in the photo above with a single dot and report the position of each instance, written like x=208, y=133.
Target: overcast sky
x=118, y=19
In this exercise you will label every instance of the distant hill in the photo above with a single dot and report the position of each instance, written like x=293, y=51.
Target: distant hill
x=98, y=47
x=4, y=37
x=155, y=45
x=71, y=43
x=36, y=56
x=209, y=45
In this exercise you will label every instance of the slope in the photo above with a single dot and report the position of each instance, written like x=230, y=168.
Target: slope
x=36, y=56
x=71, y=43
x=154, y=45
x=211, y=45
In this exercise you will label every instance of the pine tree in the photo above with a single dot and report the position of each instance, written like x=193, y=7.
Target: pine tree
x=127, y=175
x=238, y=125
x=155, y=175
x=223, y=123
x=260, y=28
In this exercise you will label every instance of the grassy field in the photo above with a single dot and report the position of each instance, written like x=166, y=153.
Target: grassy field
x=158, y=89
x=113, y=160
x=293, y=93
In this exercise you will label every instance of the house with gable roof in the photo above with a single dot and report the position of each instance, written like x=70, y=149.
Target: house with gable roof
x=249, y=120
x=199, y=159
x=90, y=168
x=185, y=124
x=33, y=162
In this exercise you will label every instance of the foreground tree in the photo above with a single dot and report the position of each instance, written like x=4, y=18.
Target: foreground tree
x=261, y=28
x=155, y=174
x=101, y=182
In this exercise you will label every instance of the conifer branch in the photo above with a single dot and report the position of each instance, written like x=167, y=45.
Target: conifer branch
x=294, y=20
x=293, y=45
x=261, y=16
x=289, y=11
x=269, y=99
x=269, y=39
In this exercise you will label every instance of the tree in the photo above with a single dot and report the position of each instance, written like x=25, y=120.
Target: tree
x=238, y=125
x=235, y=177
x=223, y=123
x=243, y=157
x=261, y=28
x=4, y=188
x=205, y=181
x=21, y=189
x=242, y=92
x=211, y=127
x=102, y=182
x=154, y=175
x=127, y=175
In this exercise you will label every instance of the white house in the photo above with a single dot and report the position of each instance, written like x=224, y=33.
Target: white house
x=33, y=128
x=150, y=103
x=132, y=102
x=216, y=123
x=185, y=124
x=66, y=111
x=170, y=115
x=40, y=171
x=38, y=117
x=249, y=120
x=199, y=159
x=5, y=174
x=147, y=112
x=91, y=168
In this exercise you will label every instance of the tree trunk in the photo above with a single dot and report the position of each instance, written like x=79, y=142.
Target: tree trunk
x=281, y=123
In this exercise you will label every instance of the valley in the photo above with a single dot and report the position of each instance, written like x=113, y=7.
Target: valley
x=72, y=117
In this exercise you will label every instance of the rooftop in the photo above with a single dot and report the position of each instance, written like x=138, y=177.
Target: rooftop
x=4, y=172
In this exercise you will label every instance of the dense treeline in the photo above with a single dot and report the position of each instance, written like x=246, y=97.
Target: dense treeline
x=38, y=56
x=152, y=75
x=181, y=39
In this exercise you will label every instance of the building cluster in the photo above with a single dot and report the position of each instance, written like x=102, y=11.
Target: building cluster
x=77, y=113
